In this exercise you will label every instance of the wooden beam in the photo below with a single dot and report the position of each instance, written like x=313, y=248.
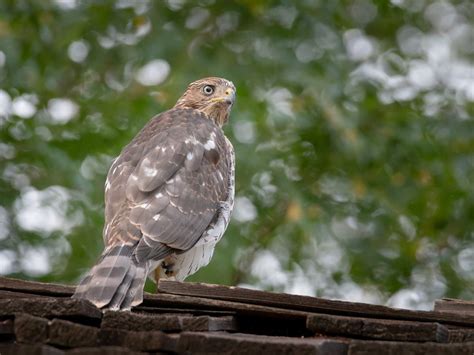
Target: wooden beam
x=166, y=322
x=379, y=329
x=49, y=308
x=34, y=287
x=163, y=300
x=364, y=347
x=306, y=303
x=224, y=343
x=454, y=306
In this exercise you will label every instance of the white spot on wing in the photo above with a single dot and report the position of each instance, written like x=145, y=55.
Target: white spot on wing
x=190, y=156
x=191, y=140
x=150, y=172
x=209, y=145
x=156, y=217
x=159, y=195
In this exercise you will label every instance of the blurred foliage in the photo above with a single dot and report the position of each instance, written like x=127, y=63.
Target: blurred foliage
x=353, y=130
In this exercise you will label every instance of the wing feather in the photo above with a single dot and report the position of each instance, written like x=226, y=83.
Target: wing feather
x=168, y=184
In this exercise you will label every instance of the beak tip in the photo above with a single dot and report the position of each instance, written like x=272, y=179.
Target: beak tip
x=230, y=99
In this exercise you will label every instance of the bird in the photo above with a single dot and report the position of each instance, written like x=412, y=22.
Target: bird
x=169, y=196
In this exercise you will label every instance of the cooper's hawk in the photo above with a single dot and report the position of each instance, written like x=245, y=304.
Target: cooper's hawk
x=168, y=198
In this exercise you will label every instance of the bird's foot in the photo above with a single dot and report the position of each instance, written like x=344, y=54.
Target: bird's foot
x=168, y=267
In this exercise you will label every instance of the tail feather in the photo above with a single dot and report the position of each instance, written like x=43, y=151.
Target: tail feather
x=140, y=289
x=134, y=295
x=123, y=289
x=82, y=288
x=108, y=283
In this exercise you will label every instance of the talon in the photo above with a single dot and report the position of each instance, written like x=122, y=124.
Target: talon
x=168, y=268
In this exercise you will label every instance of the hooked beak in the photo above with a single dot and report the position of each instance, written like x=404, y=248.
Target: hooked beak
x=228, y=98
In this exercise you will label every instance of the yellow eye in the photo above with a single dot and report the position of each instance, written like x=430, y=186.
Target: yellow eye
x=208, y=90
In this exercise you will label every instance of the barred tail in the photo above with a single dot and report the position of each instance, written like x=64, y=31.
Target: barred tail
x=115, y=282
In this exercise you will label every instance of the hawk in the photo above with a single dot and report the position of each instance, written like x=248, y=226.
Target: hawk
x=168, y=198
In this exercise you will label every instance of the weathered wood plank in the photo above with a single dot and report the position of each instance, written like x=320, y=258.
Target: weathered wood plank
x=14, y=294
x=454, y=306
x=361, y=347
x=306, y=303
x=166, y=322
x=208, y=324
x=49, y=307
x=461, y=335
x=168, y=300
x=29, y=349
x=71, y=335
x=29, y=329
x=139, y=340
x=187, y=310
x=103, y=350
x=32, y=330
x=39, y=288
x=207, y=343
x=251, y=318
x=381, y=329
x=142, y=322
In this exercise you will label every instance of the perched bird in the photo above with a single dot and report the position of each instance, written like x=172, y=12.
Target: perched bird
x=168, y=198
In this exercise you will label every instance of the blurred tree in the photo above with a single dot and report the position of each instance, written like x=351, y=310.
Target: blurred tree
x=354, y=136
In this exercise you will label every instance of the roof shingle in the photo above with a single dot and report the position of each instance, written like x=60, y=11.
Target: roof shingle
x=187, y=318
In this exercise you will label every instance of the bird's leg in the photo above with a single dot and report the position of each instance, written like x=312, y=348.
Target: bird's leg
x=157, y=276
x=165, y=270
x=168, y=267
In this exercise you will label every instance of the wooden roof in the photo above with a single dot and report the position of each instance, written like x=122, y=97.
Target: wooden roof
x=190, y=318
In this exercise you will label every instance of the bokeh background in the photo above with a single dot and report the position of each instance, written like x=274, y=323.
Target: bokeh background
x=353, y=129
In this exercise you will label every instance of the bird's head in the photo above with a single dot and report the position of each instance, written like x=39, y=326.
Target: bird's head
x=213, y=96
